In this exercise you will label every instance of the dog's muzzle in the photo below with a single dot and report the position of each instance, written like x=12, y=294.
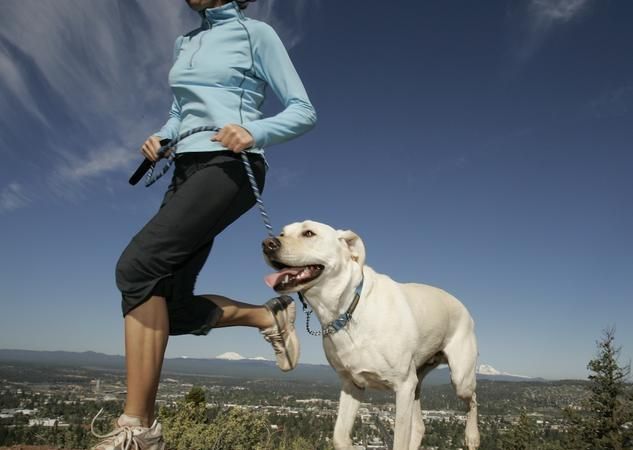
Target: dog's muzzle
x=271, y=245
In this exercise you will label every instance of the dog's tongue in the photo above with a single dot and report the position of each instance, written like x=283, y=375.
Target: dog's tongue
x=273, y=278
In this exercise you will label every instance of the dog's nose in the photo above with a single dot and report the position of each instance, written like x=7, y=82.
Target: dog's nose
x=271, y=245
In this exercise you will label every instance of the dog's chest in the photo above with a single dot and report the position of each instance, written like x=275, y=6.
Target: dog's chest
x=362, y=367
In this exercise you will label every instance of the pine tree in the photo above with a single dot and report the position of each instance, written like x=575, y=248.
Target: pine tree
x=608, y=411
x=522, y=436
x=196, y=396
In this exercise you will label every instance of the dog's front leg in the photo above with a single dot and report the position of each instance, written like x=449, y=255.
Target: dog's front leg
x=350, y=399
x=405, y=400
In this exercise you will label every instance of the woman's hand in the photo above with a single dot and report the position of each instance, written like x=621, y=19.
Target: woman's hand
x=234, y=137
x=150, y=148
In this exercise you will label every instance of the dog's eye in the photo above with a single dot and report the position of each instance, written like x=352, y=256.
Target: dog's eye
x=308, y=233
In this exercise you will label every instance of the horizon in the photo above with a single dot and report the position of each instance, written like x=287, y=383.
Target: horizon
x=482, y=149
x=237, y=357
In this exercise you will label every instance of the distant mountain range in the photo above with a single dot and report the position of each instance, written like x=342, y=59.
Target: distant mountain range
x=226, y=365
x=232, y=356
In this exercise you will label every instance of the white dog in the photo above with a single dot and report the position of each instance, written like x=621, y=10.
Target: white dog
x=396, y=334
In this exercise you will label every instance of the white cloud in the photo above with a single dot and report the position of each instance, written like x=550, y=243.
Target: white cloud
x=557, y=10
x=89, y=71
x=97, y=163
x=541, y=19
x=13, y=79
x=285, y=17
x=102, y=57
x=13, y=197
x=91, y=78
x=75, y=171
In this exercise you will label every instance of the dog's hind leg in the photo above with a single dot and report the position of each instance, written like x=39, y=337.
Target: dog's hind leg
x=461, y=353
x=350, y=399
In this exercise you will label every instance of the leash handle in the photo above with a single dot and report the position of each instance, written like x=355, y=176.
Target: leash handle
x=145, y=166
x=142, y=170
x=149, y=167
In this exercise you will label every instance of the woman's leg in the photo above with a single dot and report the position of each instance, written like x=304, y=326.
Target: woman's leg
x=275, y=321
x=236, y=313
x=146, y=335
x=147, y=326
x=188, y=312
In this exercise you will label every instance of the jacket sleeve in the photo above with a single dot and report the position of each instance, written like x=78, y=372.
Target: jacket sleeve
x=273, y=65
x=172, y=127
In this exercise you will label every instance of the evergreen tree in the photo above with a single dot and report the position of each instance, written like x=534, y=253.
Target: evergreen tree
x=606, y=420
x=522, y=436
x=196, y=396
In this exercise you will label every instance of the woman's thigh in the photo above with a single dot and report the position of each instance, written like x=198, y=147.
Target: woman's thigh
x=190, y=217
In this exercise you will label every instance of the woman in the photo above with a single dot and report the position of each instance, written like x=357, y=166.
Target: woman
x=219, y=77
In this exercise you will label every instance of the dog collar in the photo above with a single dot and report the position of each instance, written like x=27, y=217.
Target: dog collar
x=340, y=322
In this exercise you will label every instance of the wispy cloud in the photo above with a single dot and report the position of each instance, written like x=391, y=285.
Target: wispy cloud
x=557, y=10
x=84, y=80
x=96, y=163
x=613, y=103
x=285, y=17
x=85, y=83
x=541, y=18
x=74, y=172
x=15, y=81
x=13, y=197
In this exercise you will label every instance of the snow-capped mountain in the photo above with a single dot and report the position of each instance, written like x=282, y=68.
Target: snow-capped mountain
x=233, y=356
x=486, y=369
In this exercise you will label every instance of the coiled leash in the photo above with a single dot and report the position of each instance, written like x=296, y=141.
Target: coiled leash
x=148, y=166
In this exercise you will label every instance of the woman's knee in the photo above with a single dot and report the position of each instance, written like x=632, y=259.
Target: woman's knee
x=128, y=270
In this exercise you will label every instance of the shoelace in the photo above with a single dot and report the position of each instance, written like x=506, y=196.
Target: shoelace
x=128, y=437
x=275, y=338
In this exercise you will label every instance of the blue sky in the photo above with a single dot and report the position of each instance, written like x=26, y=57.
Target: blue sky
x=482, y=148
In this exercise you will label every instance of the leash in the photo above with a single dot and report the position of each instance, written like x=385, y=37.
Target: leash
x=258, y=197
x=337, y=324
x=148, y=166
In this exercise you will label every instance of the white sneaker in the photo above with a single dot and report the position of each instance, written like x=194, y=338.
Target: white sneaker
x=282, y=335
x=129, y=434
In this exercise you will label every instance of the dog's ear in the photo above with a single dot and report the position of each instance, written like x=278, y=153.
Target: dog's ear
x=354, y=244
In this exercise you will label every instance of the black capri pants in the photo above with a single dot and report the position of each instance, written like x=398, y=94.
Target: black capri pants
x=208, y=192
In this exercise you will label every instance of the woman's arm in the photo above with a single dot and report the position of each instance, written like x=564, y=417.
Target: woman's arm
x=171, y=129
x=172, y=126
x=272, y=64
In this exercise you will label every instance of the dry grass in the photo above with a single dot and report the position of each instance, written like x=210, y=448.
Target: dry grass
x=29, y=447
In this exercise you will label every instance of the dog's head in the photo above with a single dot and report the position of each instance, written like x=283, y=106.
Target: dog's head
x=306, y=252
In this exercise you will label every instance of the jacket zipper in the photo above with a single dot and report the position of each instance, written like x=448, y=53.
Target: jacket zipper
x=199, y=46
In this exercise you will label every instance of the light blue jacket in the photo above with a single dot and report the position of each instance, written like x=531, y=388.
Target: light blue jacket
x=219, y=76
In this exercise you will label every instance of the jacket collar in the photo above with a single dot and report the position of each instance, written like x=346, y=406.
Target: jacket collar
x=221, y=14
